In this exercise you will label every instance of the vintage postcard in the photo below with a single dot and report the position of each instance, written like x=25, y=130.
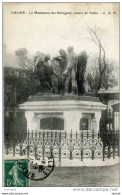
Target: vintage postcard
x=61, y=95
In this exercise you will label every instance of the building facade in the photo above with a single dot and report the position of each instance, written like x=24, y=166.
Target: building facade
x=111, y=116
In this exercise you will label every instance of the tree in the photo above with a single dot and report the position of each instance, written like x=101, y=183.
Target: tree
x=102, y=55
x=19, y=84
x=110, y=76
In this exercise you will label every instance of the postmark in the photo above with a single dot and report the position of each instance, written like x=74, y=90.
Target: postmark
x=40, y=168
x=13, y=173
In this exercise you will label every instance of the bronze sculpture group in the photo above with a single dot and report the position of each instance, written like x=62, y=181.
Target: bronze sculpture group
x=63, y=74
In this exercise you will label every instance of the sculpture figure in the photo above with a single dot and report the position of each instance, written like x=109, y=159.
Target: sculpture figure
x=81, y=69
x=70, y=72
x=61, y=66
x=43, y=72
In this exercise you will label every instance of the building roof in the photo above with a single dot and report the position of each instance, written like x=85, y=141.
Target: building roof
x=116, y=107
x=112, y=90
x=13, y=61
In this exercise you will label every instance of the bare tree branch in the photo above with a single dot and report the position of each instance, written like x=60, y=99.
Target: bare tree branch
x=90, y=32
x=102, y=57
x=26, y=63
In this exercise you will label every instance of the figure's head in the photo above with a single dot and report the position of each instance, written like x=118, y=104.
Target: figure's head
x=70, y=49
x=47, y=57
x=84, y=53
x=62, y=52
x=39, y=56
x=38, y=53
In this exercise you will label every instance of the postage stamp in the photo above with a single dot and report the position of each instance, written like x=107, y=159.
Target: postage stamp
x=14, y=176
x=19, y=172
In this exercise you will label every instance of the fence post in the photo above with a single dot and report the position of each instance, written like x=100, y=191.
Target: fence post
x=98, y=135
x=21, y=149
x=6, y=149
x=7, y=145
x=87, y=135
x=51, y=141
x=76, y=136
x=14, y=148
x=43, y=146
x=60, y=148
x=103, y=137
x=71, y=146
x=35, y=144
x=92, y=144
x=81, y=134
x=109, y=142
x=113, y=143
x=109, y=118
x=118, y=140
x=28, y=134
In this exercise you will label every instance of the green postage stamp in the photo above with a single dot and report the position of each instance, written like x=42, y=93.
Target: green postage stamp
x=14, y=176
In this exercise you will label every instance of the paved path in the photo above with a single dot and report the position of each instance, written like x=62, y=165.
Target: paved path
x=81, y=177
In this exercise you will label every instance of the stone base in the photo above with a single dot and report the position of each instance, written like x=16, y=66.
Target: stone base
x=86, y=162
x=50, y=97
x=75, y=162
x=71, y=109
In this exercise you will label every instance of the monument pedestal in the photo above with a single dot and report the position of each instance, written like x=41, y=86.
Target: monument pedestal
x=58, y=112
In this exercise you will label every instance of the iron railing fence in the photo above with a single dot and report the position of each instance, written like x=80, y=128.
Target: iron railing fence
x=63, y=144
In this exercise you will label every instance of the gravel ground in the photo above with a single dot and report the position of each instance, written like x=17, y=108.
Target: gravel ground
x=81, y=177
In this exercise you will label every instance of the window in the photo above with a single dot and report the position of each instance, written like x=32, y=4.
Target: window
x=52, y=123
x=83, y=124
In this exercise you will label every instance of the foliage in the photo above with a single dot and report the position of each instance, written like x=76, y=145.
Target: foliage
x=18, y=89
x=110, y=76
x=15, y=129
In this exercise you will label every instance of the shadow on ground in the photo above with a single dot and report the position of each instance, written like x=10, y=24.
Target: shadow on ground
x=81, y=177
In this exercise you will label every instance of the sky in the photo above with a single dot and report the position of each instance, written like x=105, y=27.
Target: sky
x=50, y=32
